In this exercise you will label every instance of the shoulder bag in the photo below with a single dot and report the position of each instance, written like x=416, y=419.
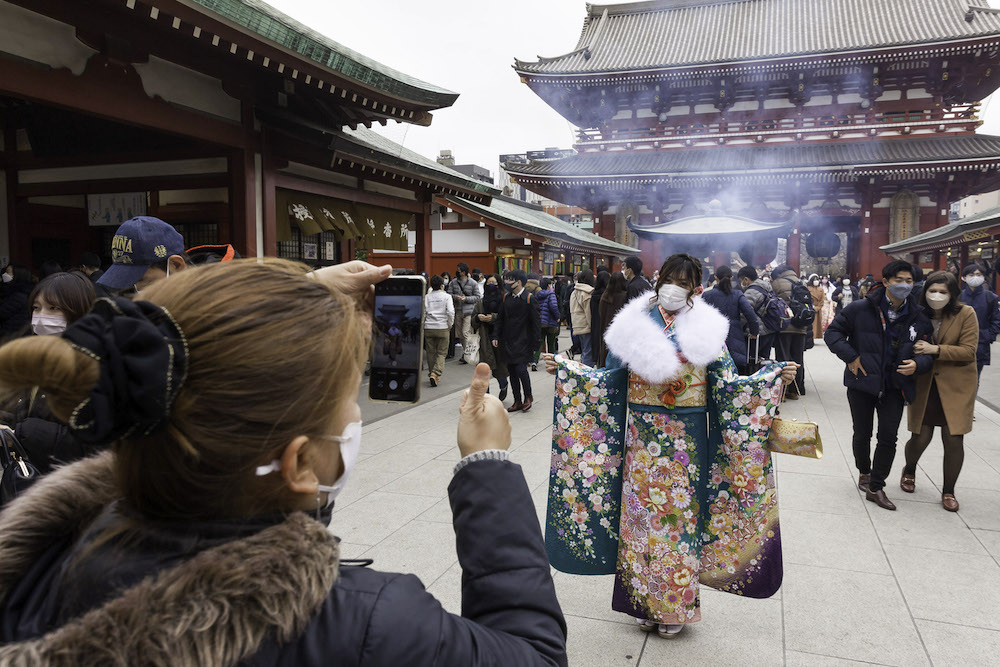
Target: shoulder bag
x=18, y=472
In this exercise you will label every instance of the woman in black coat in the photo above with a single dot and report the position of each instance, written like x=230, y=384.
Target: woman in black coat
x=601, y=281
x=844, y=295
x=206, y=536
x=15, y=315
x=733, y=303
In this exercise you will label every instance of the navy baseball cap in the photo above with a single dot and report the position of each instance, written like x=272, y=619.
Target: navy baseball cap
x=138, y=244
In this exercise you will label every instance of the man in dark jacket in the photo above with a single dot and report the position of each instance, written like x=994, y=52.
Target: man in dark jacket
x=875, y=336
x=518, y=329
x=758, y=293
x=633, y=274
x=790, y=344
x=984, y=302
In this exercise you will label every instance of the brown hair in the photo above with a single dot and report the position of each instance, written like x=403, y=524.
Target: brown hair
x=948, y=279
x=72, y=293
x=272, y=352
x=679, y=267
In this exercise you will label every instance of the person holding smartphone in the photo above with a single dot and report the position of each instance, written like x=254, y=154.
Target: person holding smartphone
x=202, y=536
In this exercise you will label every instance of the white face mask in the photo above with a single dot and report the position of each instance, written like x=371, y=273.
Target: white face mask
x=672, y=297
x=847, y=281
x=974, y=281
x=48, y=325
x=350, y=444
x=937, y=301
x=7, y=277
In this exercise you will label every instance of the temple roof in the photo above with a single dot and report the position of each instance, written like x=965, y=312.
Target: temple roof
x=969, y=229
x=676, y=33
x=531, y=219
x=797, y=157
x=263, y=20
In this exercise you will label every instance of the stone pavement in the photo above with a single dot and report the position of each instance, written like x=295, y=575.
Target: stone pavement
x=918, y=586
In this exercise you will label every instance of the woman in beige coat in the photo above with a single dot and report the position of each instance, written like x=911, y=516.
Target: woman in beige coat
x=818, y=293
x=947, y=396
x=580, y=316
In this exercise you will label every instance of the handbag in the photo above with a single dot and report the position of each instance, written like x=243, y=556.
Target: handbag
x=18, y=472
x=790, y=436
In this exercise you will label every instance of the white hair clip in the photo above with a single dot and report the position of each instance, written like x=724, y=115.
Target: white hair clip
x=273, y=466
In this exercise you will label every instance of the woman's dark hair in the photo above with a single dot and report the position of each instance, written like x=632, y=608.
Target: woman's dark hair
x=437, y=282
x=918, y=273
x=680, y=267
x=49, y=267
x=72, y=293
x=586, y=277
x=724, y=275
x=617, y=285
x=20, y=274
x=602, y=279
x=948, y=279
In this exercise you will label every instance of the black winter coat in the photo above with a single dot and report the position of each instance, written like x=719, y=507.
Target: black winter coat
x=47, y=441
x=733, y=305
x=638, y=285
x=59, y=578
x=838, y=297
x=14, y=315
x=857, y=331
x=518, y=327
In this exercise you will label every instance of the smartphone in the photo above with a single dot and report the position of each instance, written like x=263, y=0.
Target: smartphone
x=397, y=340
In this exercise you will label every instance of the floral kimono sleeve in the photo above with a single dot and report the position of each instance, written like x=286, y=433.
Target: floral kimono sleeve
x=585, y=480
x=742, y=543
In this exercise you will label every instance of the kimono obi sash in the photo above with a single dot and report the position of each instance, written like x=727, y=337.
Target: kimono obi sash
x=688, y=390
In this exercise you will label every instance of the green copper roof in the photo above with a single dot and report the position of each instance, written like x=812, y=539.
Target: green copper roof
x=265, y=21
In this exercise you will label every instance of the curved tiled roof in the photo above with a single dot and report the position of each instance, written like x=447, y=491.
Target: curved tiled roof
x=675, y=33
x=265, y=21
x=854, y=154
x=946, y=234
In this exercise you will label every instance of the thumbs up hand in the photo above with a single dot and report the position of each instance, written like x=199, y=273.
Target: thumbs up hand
x=483, y=422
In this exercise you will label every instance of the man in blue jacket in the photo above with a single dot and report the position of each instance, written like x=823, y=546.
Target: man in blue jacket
x=984, y=302
x=875, y=336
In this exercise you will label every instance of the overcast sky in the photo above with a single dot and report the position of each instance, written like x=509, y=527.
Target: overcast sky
x=469, y=46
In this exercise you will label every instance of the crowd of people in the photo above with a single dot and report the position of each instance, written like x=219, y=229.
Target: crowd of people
x=168, y=479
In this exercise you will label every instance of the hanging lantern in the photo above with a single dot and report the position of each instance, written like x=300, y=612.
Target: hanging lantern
x=823, y=245
x=762, y=251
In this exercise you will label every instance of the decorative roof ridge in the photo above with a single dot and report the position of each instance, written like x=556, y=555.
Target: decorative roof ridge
x=584, y=48
x=524, y=204
x=644, y=6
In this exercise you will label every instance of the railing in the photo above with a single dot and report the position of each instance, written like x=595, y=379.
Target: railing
x=951, y=116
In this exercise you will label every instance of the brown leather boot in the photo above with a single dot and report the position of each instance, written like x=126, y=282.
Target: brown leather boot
x=527, y=404
x=863, y=480
x=880, y=499
x=908, y=483
x=517, y=407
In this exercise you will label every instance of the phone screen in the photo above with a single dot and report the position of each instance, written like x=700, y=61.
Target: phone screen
x=397, y=339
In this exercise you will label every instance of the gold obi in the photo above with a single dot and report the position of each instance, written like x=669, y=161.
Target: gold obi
x=688, y=390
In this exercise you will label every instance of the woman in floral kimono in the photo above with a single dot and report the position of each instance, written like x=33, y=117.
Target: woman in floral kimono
x=698, y=503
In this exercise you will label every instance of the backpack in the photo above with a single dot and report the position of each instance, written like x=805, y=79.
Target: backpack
x=774, y=313
x=801, y=306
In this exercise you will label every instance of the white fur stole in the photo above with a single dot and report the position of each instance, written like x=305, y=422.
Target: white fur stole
x=633, y=336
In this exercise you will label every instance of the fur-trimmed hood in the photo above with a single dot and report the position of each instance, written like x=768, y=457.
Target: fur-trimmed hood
x=215, y=608
x=638, y=340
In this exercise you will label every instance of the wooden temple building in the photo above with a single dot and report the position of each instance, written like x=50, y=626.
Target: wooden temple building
x=811, y=131
x=236, y=124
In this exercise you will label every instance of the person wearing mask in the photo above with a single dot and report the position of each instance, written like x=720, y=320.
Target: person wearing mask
x=15, y=315
x=533, y=284
x=579, y=308
x=632, y=269
x=733, y=305
x=876, y=338
x=676, y=513
x=439, y=316
x=57, y=301
x=601, y=281
x=548, y=311
x=866, y=284
x=818, y=293
x=844, y=295
x=143, y=251
x=465, y=291
x=946, y=398
x=516, y=332
x=790, y=344
x=984, y=302
x=446, y=277
x=612, y=301
x=215, y=501
x=477, y=275
x=483, y=319
x=759, y=294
